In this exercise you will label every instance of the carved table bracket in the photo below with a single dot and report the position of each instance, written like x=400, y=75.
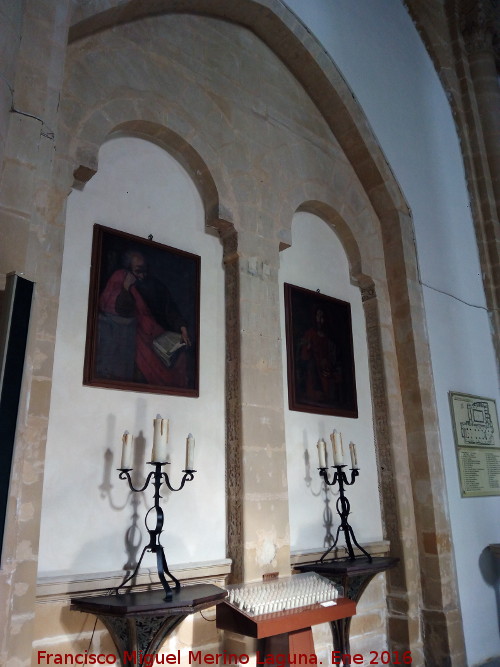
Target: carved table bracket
x=354, y=576
x=139, y=622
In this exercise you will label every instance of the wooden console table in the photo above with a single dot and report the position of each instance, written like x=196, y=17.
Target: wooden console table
x=139, y=622
x=354, y=576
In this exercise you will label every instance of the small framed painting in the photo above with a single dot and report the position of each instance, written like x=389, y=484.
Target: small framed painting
x=320, y=357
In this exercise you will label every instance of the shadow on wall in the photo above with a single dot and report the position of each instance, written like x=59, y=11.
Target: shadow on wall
x=489, y=566
x=324, y=490
x=133, y=535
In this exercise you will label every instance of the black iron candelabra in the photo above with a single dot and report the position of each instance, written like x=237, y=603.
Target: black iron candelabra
x=343, y=509
x=154, y=546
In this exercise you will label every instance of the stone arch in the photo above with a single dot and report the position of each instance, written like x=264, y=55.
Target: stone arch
x=303, y=55
x=351, y=247
x=410, y=431
x=360, y=268
x=85, y=149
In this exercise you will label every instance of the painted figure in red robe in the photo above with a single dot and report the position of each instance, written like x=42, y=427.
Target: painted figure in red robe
x=318, y=357
x=135, y=309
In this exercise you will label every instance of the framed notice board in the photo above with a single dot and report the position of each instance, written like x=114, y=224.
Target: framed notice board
x=477, y=441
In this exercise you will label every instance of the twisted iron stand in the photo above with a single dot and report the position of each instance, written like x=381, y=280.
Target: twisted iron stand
x=343, y=509
x=352, y=574
x=154, y=545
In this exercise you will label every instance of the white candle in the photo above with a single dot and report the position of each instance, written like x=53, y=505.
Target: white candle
x=126, y=451
x=321, y=453
x=354, y=458
x=189, y=452
x=338, y=450
x=160, y=440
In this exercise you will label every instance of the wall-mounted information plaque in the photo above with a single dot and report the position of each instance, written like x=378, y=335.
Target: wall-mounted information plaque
x=477, y=440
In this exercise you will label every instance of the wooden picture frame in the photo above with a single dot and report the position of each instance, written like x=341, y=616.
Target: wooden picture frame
x=143, y=318
x=320, y=356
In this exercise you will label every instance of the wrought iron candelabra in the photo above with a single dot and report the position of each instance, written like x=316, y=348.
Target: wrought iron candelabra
x=343, y=509
x=154, y=546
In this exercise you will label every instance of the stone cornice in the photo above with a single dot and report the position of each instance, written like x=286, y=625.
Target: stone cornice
x=306, y=556
x=63, y=587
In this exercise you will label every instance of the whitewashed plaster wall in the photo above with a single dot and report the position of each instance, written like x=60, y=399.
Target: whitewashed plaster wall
x=316, y=260
x=86, y=423
x=378, y=50
x=78, y=538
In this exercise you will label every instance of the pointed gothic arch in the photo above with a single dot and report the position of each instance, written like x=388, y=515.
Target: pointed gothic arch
x=407, y=425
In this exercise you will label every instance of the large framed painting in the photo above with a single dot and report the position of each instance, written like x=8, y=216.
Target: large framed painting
x=143, y=320
x=320, y=356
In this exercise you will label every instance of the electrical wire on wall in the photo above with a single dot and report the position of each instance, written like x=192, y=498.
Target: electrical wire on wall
x=45, y=130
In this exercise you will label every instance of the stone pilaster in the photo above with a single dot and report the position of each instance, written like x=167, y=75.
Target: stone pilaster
x=403, y=596
x=234, y=472
x=478, y=30
x=416, y=449
x=32, y=197
x=258, y=533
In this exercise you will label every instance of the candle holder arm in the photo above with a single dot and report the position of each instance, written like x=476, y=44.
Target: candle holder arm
x=323, y=472
x=125, y=474
x=188, y=477
x=354, y=474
